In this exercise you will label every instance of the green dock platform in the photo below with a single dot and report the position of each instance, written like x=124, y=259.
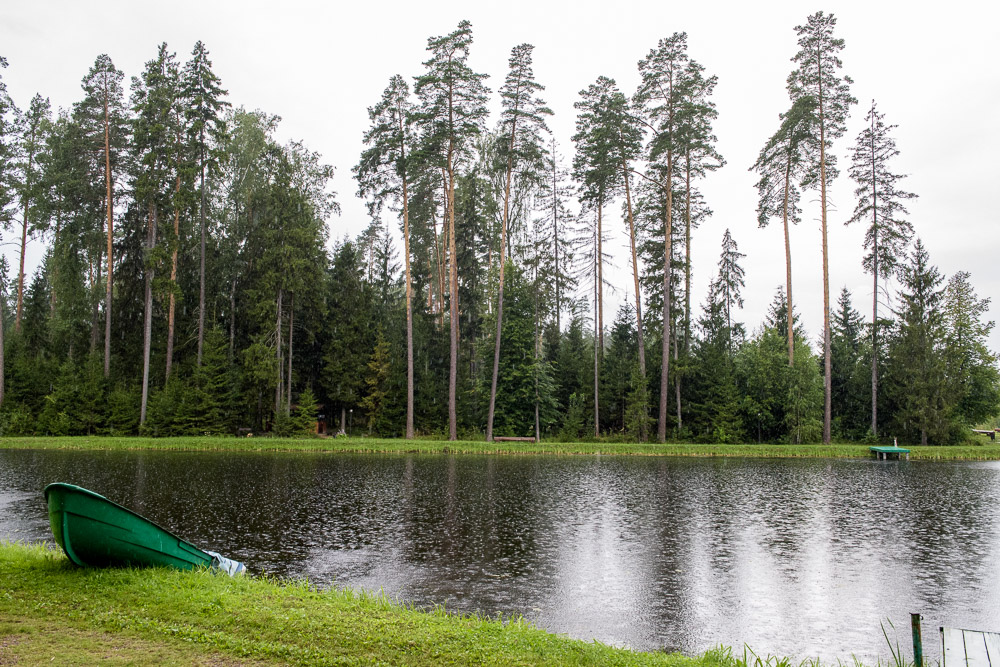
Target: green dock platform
x=886, y=453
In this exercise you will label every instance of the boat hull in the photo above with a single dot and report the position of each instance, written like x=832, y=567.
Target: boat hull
x=96, y=532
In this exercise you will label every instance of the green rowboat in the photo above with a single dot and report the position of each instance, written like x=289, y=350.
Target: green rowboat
x=96, y=532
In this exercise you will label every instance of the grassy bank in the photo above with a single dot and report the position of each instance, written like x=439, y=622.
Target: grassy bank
x=50, y=609
x=987, y=452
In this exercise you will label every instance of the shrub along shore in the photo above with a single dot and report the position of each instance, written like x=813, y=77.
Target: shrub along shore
x=52, y=610
x=983, y=452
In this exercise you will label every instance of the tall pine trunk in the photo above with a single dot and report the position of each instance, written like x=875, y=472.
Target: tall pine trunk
x=503, y=262
x=201, y=267
x=555, y=234
x=827, y=367
x=288, y=380
x=2, y=371
x=26, y=206
x=874, y=285
x=110, y=210
x=277, y=354
x=668, y=231
x=173, y=276
x=638, y=295
x=147, y=326
x=687, y=250
x=409, y=302
x=597, y=360
x=788, y=265
x=453, y=301
x=600, y=272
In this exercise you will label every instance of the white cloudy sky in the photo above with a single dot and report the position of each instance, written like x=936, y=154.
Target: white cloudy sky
x=933, y=69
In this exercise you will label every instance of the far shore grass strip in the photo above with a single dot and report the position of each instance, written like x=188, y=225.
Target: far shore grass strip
x=54, y=613
x=984, y=452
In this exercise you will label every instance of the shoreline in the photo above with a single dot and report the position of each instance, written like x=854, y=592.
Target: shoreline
x=984, y=452
x=50, y=609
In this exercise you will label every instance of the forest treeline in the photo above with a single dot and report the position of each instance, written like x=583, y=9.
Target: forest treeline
x=189, y=284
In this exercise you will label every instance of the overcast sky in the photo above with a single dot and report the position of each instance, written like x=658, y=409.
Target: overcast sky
x=935, y=74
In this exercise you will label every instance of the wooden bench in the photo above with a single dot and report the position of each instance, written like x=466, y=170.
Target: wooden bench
x=511, y=439
x=969, y=648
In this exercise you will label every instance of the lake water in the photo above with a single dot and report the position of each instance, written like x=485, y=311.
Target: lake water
x=801, y=558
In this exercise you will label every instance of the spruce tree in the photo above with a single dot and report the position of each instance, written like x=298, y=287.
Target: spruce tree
x=973, y=376
x=730, y=284
x=153, y=100
x=880, y=204
x=452, y=111
x=817, y=76
x=206, y=129
x=919, y=370
x=848, y=350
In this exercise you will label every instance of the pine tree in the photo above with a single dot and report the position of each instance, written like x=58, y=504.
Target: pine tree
x=782, y=163
x=453, y=108
x=661, y=95
x=817, y=77
x=595, y=169
x=206, y=131
x=102, y=114
x=8, y=114
x=522, y=123
x=880, y=203
x=383, y=175
x=34, y=124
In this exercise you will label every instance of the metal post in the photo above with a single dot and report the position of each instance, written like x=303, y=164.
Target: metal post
x=918, y=646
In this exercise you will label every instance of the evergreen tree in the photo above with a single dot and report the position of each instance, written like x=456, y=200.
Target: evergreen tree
x=374, y=402
x=382, y=175
x=8, y=114
x=973, y=377
x=32, y=144
x=715, y=405
x=453, y=108
x=817, y=77
x=522, y=123
x=848, y=350
x=206, y=130
x=661, y=96
x=730, y=284
x=784, y=161
x=102, y=116
x=153, y=101
x=919, y=370
x=880, y=203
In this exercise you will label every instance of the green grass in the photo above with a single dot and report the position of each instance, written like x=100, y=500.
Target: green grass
x=50, y=609
x=988, y=452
